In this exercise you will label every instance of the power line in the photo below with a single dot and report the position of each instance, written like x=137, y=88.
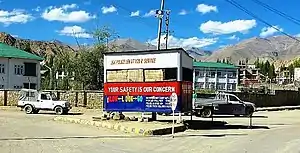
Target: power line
x=282, y=14
x=237, y=5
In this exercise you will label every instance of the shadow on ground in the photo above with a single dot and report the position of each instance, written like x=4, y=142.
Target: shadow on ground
x=211, y=135
x=51, y=113
x=224, y=116
x=211, y=125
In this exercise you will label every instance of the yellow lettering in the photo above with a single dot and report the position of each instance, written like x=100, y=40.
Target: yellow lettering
x=133, y=61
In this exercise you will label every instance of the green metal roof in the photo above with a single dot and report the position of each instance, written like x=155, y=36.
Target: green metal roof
x=12, y=52
x=214, y=65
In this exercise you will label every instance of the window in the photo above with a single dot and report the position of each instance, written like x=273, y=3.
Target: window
x=18, y=87
x=30, y=69
x=221, y=86
x=232, y=98
x=2, y=68
x=199, y=85
x=1, y=86
x=212, y=74
x=44, y=97
x=30, y=94
x=19, y=69
x=29, y=85
x=229, y=86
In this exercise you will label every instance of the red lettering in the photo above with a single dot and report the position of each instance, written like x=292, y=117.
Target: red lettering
x=112, y=99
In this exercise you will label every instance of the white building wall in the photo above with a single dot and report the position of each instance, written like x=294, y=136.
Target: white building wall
x=215, y=80
x=9, y=79
x=297, y=74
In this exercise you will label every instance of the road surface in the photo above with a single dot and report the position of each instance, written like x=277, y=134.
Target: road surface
x=39, y=134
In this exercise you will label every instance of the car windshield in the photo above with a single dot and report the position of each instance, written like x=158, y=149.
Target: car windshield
x=233, y=98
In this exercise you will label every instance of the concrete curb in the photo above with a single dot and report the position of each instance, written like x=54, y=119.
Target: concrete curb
x=121, y=128
x=277, y=108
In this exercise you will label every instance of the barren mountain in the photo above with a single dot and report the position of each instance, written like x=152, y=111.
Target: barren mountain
x=128, y=44
x=131, y=44
x=41, y=48
x=277, y=48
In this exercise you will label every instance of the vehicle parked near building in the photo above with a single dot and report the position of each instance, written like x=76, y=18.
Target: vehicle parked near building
x=223, y=104
x=32, y=101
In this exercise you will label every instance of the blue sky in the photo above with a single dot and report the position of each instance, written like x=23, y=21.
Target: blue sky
x=208, y=24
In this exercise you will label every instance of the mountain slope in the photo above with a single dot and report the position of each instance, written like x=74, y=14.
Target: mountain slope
x=41, y=48
x=272, y=48
x=130, y=45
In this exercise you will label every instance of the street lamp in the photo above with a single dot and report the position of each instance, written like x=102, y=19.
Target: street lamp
x=44, y=64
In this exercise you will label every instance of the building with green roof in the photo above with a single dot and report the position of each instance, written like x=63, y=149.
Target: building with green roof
x=18, y=68
x=215, y=76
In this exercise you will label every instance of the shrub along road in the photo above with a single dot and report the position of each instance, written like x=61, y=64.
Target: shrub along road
x=38, y=133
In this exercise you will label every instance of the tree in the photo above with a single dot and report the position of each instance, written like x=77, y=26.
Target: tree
x=90, y=70
x=271, y=72
x=85, y=65
x=227, y=61
x=224, y=60
x=265, y=67
x=291, y=70
x=257, y=63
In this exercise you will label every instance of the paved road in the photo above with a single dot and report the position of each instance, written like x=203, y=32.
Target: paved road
x=39, y=134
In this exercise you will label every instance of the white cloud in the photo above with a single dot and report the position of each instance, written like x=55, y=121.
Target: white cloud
x=14, y=16
x=269, y=31
x=186, y=42
x=37, y=9
x=298, y=35
x=233, y=37
x=62, y=14
x=109, y=9
x=74, y=31
x=218, y=28
x=183, y=12
x=203, y=8
x=150, y=13
x=69, y=6
x=136, y=13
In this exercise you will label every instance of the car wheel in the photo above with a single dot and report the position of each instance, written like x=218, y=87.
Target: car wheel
x=206, y=113
x=59, y=110
x=28, y=109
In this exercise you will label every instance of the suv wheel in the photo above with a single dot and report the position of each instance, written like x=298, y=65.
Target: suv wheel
x=28, y=109
x=59, y=110
x=206, y=113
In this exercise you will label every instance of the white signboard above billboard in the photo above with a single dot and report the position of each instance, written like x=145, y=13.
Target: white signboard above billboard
x=163, y=60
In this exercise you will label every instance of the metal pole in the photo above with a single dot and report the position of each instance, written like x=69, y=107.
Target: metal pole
x=173, y=123
x=51, y=77
x=167, y=27
x=162, y=6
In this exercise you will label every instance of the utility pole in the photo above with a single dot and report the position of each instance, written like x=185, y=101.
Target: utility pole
x=167, y=27
x=159, y=15
x=167, y=31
